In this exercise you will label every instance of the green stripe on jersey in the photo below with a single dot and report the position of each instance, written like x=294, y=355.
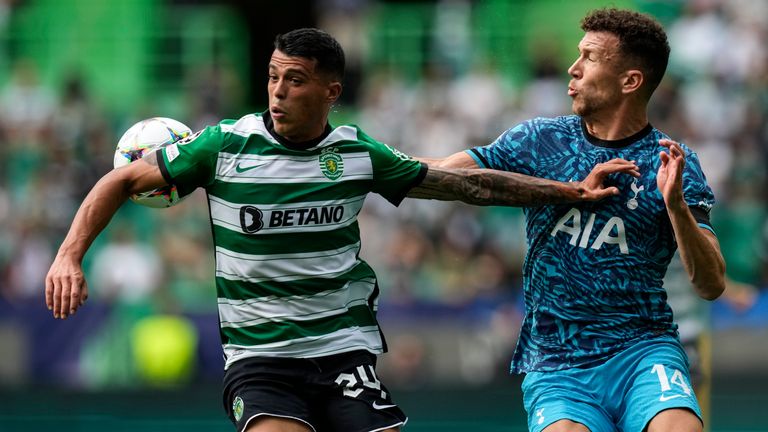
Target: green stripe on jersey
x=356, y=316
x=266, y=193
x=251, y=312
x=286, y=235
x=341, y=341
x=312, y=167
x=284, y=243
x=243, y=290
x=330, y=263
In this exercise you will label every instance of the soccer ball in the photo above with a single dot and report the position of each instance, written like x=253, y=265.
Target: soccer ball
x=143, y=138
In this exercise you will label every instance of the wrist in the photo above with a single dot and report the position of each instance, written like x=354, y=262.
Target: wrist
x=576, y=191
x=676, y=205
x=69, y=253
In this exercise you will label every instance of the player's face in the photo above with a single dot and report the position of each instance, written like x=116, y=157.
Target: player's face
x=299, y=97
x=595, y=84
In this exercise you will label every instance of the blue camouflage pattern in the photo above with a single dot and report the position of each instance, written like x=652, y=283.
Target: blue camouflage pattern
x=593, y=271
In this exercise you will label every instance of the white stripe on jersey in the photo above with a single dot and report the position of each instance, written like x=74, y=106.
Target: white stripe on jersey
x=248, y=125
x=244, y=313
x=243, y=168
x=285, y=267
x=227, y=215
x=252, y=124
x=344, y=340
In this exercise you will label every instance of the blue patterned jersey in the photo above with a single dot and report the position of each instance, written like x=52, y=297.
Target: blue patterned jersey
x=593, y=272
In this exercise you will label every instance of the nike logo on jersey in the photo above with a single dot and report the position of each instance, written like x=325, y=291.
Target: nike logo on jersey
x=381, y=407
x=241, y=169
x=663, y=398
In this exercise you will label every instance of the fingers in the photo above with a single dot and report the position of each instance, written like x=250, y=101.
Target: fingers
x=593, y=184
x=621, y=165
x=56, y=298
x=64, y=295
x=675, y=159
x=620, y=162
x=610, y=191
x=77, y=298
x=65, y=287
x=66, y=292
x=599, y=194
x=49, y=292
x=674, y=148
x=73, y=297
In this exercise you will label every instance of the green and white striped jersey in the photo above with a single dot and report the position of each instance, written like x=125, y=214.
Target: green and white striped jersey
x=289, y=279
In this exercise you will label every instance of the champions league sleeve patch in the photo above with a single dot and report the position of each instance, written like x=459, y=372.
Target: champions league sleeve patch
x=172, y=152
x=190, y=138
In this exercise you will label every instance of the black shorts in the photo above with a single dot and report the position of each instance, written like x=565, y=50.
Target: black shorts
x=335, y=393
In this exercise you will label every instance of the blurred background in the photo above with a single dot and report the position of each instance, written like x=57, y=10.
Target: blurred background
x=428, y=77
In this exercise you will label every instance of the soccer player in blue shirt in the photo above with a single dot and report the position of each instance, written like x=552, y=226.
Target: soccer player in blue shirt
x=598, y=345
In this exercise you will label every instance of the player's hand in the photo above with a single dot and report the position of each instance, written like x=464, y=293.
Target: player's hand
x=592, y=188
x=65, y=287
x=669, y=179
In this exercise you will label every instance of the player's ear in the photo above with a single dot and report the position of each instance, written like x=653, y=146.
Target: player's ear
x=631, y=81
x=333, y=91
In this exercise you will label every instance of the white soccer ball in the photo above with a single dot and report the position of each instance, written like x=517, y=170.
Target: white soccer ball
x=143, y=138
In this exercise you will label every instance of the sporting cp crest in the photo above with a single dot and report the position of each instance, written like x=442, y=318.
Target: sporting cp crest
x=237, y=408
x=331, y=163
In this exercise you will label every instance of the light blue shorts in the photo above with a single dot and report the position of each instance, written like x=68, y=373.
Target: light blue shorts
x=622, y=394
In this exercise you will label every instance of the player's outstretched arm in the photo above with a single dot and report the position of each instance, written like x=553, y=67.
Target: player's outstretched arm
x=456, y=160
x=65, y=286
x=699, y=248
x=492, y=187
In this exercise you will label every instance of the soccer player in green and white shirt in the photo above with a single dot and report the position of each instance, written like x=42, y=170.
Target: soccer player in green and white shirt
x=297, y=305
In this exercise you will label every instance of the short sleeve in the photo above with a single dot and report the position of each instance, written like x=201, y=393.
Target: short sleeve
x=696, y=191
x=394, y=172
x=191, y=162
x=512, y=151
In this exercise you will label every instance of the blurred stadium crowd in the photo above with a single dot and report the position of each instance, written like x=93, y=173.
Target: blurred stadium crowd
x=450, y=273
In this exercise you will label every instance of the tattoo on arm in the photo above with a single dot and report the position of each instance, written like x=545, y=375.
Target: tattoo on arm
x=490, y=187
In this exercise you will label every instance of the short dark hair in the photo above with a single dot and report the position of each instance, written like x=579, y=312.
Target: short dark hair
x=642, y=40
x=314, y=44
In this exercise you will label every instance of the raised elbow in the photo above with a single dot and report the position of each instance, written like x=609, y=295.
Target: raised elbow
x=712, y=290
x=710, y=281
x=712, y=295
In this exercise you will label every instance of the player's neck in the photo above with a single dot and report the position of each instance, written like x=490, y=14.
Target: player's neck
x=616, y=124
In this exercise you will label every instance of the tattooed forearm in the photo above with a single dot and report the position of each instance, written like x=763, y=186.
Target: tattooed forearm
x=489, y=187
